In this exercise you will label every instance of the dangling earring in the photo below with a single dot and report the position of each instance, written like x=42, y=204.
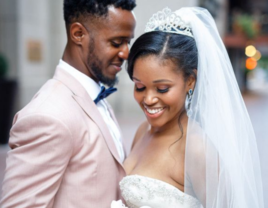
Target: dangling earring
x=188, y=102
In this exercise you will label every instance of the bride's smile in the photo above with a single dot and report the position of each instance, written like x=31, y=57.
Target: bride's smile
x=160, y=90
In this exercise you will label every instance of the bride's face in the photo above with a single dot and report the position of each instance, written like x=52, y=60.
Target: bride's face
x=160, y=90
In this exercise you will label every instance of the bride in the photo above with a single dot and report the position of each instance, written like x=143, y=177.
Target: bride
x=197, y=148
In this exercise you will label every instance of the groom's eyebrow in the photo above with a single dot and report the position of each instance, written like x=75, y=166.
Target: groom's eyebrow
x=161, y=80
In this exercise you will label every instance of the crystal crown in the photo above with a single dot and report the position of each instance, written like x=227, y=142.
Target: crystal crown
x=168, y=21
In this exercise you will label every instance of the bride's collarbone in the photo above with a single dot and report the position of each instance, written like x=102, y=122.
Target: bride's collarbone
x=159, y=144
x=153, y=147
x=160, y=161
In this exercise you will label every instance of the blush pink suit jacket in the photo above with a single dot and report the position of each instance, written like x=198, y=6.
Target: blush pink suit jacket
x=62, y=154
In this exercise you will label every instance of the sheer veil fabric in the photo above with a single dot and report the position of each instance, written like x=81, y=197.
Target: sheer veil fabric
x=221, y=161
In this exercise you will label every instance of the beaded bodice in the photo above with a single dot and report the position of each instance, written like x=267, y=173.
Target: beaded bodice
x=144, y=191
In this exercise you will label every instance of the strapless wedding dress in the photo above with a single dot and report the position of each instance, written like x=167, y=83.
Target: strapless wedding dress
x=144, y=191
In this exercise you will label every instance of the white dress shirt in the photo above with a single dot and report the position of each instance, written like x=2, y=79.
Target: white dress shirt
x=93, y=90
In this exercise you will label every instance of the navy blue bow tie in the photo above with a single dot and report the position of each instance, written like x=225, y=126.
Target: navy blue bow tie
x=104, y=93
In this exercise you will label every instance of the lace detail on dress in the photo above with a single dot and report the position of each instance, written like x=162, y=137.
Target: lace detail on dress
x=144, y=191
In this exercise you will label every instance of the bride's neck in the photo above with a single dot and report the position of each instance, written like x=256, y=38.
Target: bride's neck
x=172, y=128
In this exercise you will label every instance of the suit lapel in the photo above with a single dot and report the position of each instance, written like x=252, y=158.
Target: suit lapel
x=87, y=104
x=93, y=112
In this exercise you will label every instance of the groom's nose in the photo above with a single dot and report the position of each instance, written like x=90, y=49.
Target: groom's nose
x=124, y=52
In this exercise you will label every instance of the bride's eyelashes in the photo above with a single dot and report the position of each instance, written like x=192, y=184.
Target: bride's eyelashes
x=140, y=89
x=163, y=90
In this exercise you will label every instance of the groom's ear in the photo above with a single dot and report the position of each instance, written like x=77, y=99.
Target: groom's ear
x=78, y=33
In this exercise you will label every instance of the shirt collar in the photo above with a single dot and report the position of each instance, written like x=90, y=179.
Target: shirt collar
x=93, y=88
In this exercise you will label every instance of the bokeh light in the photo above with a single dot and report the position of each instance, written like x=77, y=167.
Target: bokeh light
x=251, y=63
x=257, y=55
x=250, y=51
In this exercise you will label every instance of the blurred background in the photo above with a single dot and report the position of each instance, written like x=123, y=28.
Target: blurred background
x=32, y=40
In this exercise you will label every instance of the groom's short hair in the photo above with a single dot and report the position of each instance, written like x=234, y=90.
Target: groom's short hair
x=74, y=9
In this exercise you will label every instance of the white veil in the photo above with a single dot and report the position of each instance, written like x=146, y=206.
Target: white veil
x=221, y=163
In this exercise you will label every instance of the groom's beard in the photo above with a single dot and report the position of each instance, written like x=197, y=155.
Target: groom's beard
x=96, y=65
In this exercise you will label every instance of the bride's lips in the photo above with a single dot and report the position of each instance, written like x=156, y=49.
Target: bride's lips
x=153, y=112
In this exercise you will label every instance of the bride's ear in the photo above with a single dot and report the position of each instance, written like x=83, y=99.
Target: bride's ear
x=192, y=80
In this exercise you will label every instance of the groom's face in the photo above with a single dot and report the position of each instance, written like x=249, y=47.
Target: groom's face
x=109, y=44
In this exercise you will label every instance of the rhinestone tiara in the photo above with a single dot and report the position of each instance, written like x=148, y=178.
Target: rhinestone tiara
x=168, y=21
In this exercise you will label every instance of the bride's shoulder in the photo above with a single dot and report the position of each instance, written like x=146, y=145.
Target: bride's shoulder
x=198, y=143
x=143, y=128
x=196, y=139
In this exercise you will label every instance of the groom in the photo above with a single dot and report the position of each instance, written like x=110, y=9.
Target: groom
x=66, y=148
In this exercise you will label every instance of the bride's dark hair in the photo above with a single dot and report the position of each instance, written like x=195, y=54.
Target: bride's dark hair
x=181, y=49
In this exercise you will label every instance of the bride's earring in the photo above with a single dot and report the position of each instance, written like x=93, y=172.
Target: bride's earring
x=188, y=102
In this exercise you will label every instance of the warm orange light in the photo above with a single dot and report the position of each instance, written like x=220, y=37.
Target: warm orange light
x=250, y=51
x=257, y=55
x=251, y=63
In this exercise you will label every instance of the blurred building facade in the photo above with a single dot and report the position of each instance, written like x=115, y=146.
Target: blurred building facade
x=32, y=38
x=247, y=25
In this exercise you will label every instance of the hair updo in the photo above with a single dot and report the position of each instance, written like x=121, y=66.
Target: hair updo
x=180, y=49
